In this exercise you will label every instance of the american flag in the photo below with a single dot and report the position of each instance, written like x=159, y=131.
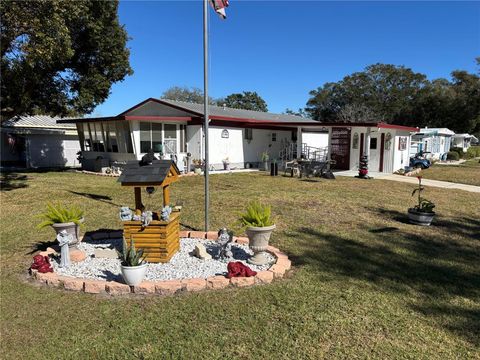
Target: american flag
x=219, y=7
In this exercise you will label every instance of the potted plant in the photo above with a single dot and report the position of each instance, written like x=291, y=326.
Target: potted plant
x=265, y=158
x=226, y=164
x=197, y=164
x=63, y=218
x=259, y=226
x=422, y=213
x=133, y=264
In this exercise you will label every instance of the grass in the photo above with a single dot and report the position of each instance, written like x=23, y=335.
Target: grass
x=365, y=284
x=465, y=173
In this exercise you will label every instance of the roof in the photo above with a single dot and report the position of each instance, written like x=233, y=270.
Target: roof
x=219, y=112
x=436, y=131
x=153, y=174
x=153, y=109
x=38, y=121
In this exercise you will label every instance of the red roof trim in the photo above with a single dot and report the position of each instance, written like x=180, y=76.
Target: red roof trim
x=159, y=118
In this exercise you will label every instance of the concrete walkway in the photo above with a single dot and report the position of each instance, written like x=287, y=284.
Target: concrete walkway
x=414, y=180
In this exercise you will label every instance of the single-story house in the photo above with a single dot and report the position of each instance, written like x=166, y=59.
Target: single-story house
x=435, y=141
x=175, y=128
x=38, y=142
x=463, y=141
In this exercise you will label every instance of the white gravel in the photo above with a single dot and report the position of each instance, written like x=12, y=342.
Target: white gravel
x=183, y=264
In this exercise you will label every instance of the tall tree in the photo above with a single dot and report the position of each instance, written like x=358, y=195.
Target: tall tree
x=385, y=89
x=247, y=100
x=186, y=94
x=60, y=57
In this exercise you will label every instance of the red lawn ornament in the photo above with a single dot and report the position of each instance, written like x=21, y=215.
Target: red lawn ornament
x=42, y=264
x=238, y=269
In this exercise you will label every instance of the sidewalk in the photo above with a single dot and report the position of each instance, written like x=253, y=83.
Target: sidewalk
x=413, y=180
x=434, y=183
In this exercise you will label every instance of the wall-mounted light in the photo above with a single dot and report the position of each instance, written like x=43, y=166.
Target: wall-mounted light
x=150, y=190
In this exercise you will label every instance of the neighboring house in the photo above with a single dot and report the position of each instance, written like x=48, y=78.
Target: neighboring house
x=435, y=141
x=38, y=142
x=174, y=129
x=463, y=141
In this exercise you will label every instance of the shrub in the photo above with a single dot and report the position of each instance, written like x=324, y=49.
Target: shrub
x=57, y=213
x=458, y=150
x=473, y=151
x=256, y=215
x=453, y=155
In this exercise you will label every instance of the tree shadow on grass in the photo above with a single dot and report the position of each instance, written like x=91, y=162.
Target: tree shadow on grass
x=433, y=266
x=13, y=181
x=97, y=197
x=462, y=225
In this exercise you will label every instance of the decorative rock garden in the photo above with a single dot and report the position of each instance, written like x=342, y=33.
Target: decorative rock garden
x=184, y=272
x=151, y=254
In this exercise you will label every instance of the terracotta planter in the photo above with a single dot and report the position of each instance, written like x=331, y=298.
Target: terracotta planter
x=133, y=275
x=419, y=217
x=72, y=229
x=258, y=241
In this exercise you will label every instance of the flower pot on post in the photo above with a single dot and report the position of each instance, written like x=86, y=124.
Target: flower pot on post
x=72, y=229
x=61, y=218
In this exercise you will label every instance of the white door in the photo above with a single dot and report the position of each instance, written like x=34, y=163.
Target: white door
x=374, y=160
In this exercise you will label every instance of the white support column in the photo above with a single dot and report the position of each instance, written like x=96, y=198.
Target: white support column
x=299, y=142
x=329, y=148
x=366, y=150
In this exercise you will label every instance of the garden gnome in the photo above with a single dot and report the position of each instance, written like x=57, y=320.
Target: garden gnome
x=64, y=239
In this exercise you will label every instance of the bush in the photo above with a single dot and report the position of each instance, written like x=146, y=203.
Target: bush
x=473, y=151
x=453, y=155
x=459, y=151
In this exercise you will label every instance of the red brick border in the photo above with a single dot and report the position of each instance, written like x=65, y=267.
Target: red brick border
x=170, y=287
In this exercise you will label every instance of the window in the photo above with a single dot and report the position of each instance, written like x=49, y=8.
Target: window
x=388, y=141
x=111, y=136
x=96, y=130
x=145, y=137
x=248, y=134
x=157, y=138
x=274, y=137
x=294, y=136
x=373, y=143
x=355, y=141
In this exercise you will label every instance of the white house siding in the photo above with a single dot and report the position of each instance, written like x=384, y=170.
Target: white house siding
x=194, y=141
x=52, y=150
x=239, y=150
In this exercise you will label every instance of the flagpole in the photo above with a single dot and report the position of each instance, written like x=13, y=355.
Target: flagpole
x=205, y=103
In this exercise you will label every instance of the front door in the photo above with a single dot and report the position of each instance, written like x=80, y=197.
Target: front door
x=341, y=148
x=374, y=160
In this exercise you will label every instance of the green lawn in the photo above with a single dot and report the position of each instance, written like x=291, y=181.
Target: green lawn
x=365, y=283
x=465, y=173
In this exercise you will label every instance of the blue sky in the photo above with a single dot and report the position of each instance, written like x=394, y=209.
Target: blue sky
x=284, y=49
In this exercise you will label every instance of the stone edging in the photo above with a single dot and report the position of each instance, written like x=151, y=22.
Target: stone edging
x=170, y=287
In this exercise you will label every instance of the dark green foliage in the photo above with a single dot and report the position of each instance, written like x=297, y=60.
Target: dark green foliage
x=248, y=100
x=186, y=94
x=398, y=95
x=129, y=256
x=257, y=215
x=459, y=151
x=57, y=214
x=60, y=57
x=453, y=155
